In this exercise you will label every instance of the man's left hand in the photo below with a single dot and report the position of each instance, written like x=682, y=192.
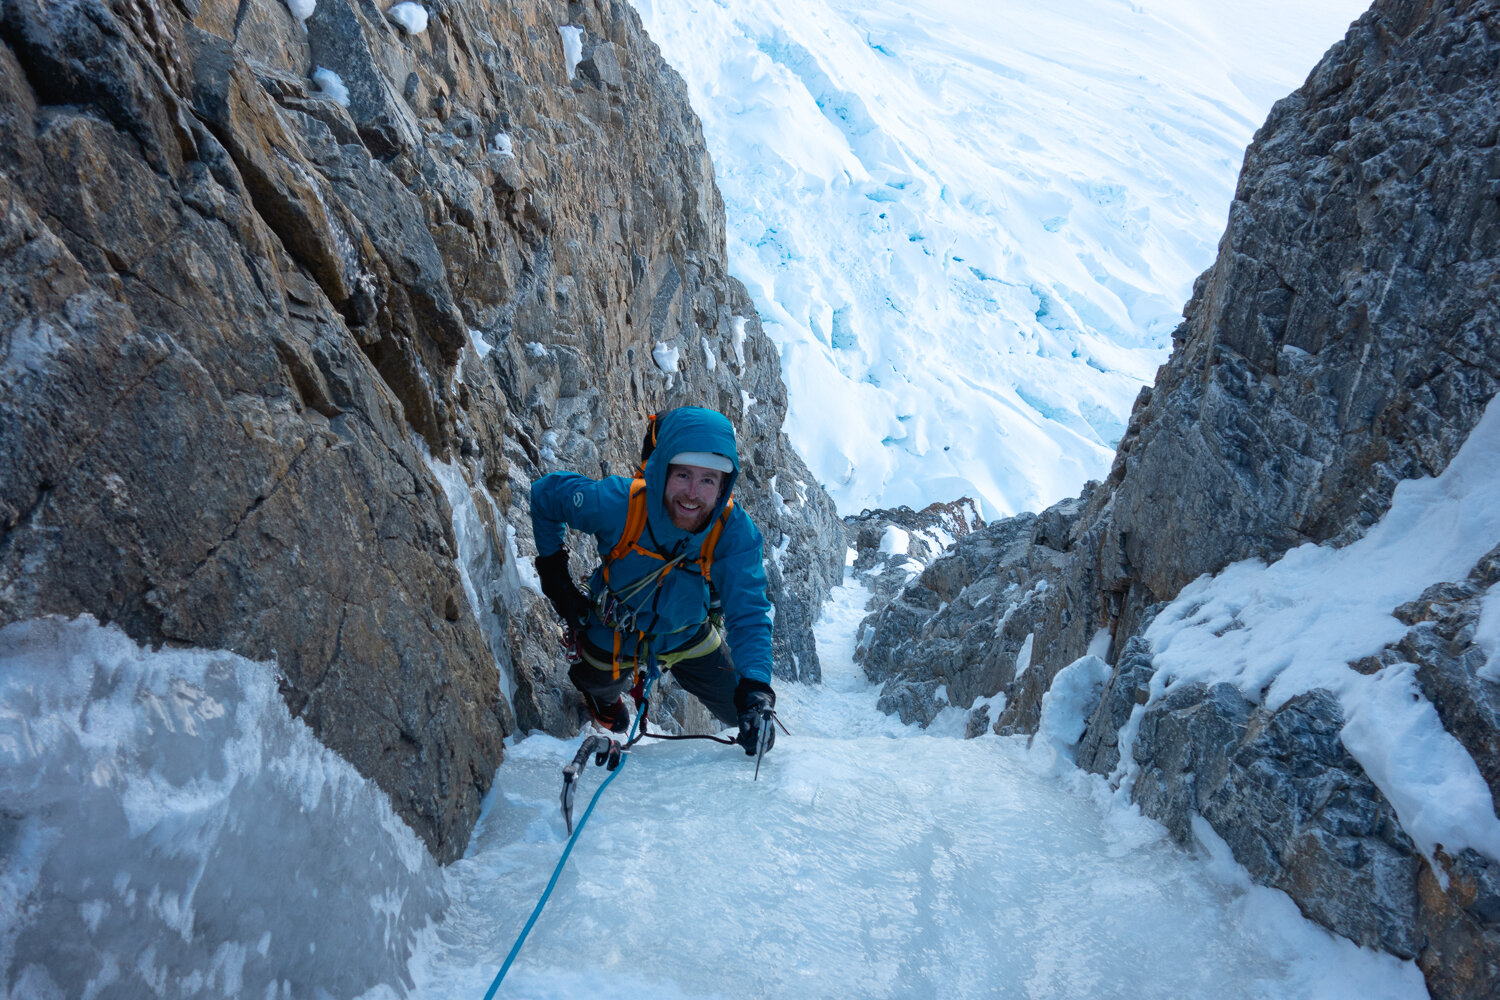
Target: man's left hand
x=751, y=699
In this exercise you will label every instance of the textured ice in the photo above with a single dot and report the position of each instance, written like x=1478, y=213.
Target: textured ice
x=869, y=860
x=170, y=830
x=488, y=565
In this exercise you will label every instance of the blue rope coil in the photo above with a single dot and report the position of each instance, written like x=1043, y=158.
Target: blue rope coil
x=515, y=949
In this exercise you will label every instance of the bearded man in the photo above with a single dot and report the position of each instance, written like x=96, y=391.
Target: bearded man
x=681, y=581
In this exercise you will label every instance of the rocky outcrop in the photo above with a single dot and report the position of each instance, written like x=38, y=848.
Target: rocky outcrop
x=1296, y=809
x=1300, y=813
x=1344, y=340
x=893, y=546
x=246, y=319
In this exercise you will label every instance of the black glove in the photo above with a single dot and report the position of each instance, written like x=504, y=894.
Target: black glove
x=569, y=603
x=751, y=698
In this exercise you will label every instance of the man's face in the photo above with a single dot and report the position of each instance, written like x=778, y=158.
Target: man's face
x=691, y=494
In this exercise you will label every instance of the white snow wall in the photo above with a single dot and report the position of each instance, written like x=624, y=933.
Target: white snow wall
x=169, y=830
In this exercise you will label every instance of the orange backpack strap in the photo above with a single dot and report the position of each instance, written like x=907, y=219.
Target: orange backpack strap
x=635, y=523
x=706, y=551
x=648, y=445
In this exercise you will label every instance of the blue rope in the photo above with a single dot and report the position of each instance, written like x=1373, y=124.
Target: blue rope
x=515, y=949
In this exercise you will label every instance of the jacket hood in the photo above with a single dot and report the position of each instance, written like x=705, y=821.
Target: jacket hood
x=689, y=428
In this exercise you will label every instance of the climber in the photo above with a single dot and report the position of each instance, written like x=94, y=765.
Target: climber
x=680, y=581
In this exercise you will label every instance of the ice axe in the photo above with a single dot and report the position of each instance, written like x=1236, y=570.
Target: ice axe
x=606, y=754
x=765, y=735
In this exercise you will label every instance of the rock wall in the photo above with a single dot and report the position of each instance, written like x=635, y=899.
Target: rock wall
x=245, y=320
x=1347, y=337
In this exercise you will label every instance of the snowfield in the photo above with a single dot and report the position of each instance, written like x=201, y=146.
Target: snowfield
x=971, y=228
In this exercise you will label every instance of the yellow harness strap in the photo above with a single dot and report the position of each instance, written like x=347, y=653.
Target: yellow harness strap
x=666, y=661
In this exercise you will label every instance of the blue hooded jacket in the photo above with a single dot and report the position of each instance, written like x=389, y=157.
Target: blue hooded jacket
x=671, y=612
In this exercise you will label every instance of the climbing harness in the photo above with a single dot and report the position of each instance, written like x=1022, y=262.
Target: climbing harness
x=630, y=541
x=712, y=639
x=620, y=608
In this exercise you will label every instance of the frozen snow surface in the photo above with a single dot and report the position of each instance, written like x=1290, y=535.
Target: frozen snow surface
x=1295, y=625
x=331, y=85
x=666, y=357
x=572, y=39
x=971, y=228
x=170, y=830
x=869, y=860
x=411, y=16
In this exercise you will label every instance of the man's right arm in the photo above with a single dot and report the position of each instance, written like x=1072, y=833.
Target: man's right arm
x=558, y=501
x=562, y=500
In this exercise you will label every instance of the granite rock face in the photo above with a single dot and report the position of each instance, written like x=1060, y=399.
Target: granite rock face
x=245, y=324
x=1346, y=338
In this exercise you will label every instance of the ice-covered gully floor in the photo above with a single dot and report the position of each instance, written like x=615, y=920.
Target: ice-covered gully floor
x=869, y=860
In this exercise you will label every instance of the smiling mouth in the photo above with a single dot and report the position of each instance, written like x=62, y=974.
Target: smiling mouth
x=687, y=514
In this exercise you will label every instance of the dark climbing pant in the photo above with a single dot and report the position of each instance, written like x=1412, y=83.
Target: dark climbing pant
x=710, y=678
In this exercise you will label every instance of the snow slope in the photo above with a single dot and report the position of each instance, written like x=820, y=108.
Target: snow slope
x=869, y=860
x=969, y=227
